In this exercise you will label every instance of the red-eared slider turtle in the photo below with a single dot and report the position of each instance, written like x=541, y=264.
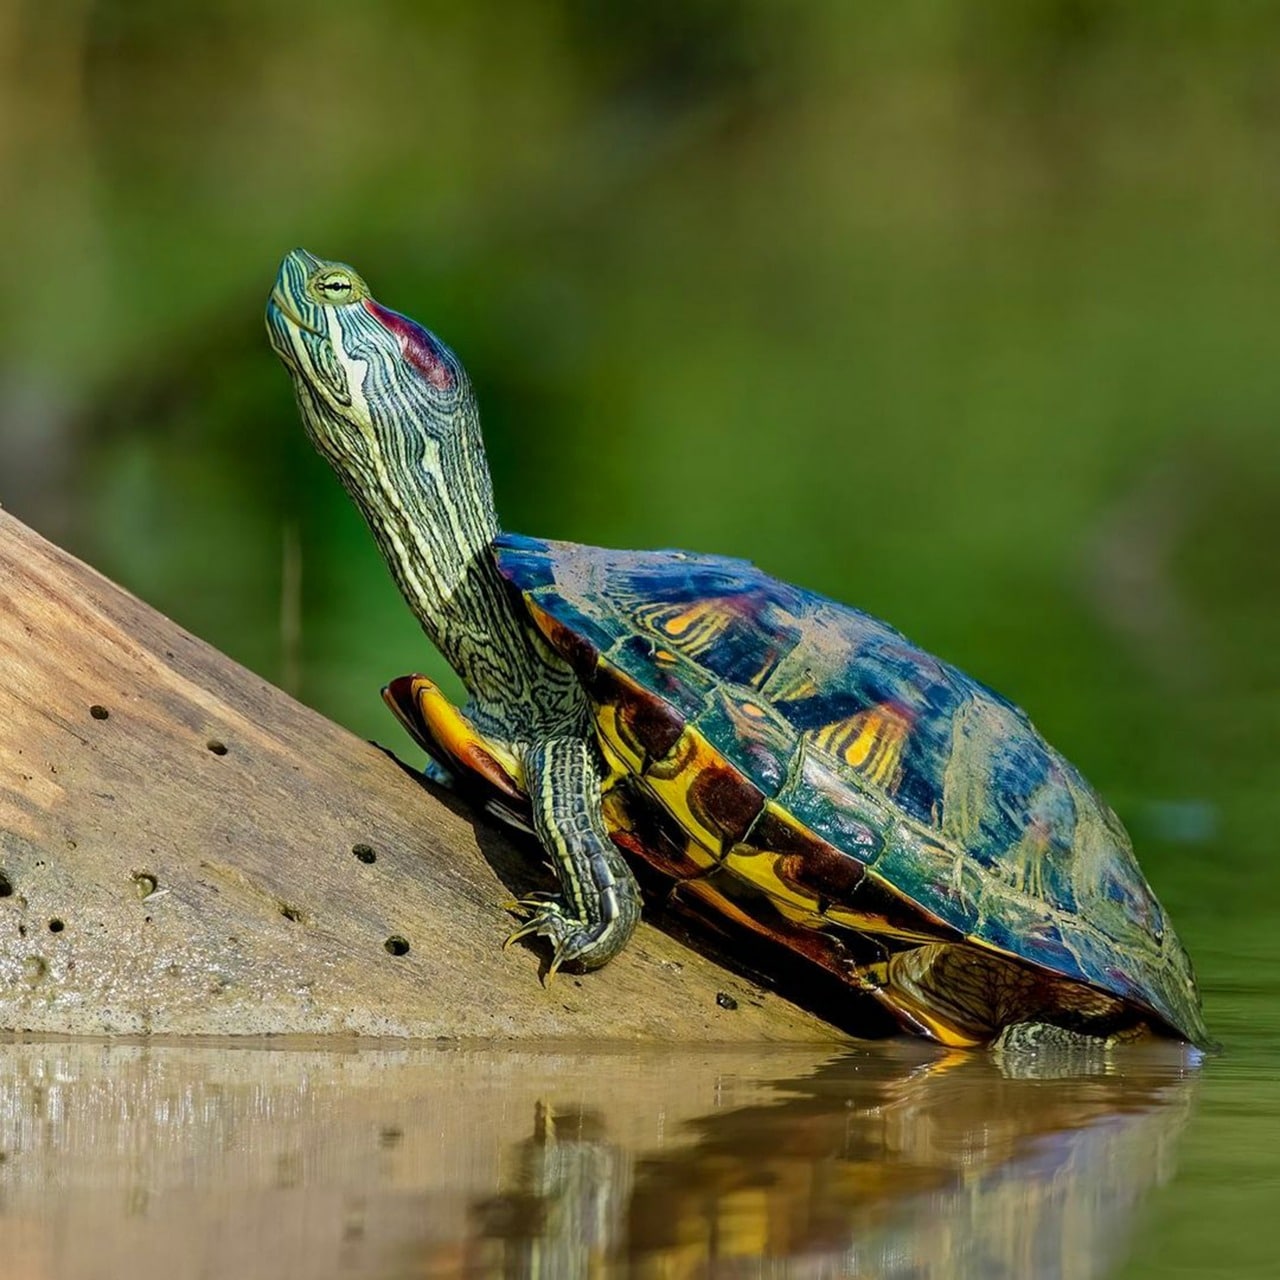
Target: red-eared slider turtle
x=794, y=763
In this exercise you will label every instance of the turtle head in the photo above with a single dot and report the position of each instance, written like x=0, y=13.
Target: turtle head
x=368, y=380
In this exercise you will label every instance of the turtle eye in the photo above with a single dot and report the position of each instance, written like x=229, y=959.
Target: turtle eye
x=337, y=287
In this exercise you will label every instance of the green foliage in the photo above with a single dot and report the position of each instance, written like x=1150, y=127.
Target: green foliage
x=961, y=314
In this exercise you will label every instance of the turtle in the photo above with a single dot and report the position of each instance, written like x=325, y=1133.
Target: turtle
x=784, y=761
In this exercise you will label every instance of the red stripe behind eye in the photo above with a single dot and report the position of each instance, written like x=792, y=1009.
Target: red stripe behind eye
x=416, y=344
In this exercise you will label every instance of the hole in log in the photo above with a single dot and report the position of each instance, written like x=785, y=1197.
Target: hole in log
x=6, y=886
x=218, y=748
x=290, y=913
x=145, y=883
x=725, y=1000
x=396, y=945
x=364, y=853
x=99, y=712
x=56, y=925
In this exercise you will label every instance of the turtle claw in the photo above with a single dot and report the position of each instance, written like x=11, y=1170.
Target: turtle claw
x=571, y=939
x=530, y=905
x=553, y=968
x=530, y=926
x=544, y=917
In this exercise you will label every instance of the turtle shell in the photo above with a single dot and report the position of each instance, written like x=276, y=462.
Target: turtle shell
x=778, y=719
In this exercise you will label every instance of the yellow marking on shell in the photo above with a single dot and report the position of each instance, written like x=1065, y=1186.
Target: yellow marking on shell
x=707, y=891
x=617, y=817
x=763, y=874
x=621, y=753
x=694, y=628
x=801, y=685
x=870, y=742
x=701, y=857
x=678, y=625
x=546, y=627
x=618, y=768
x=546, y=624
x=760, y=868
x=665, y=658
x=668, y=780
x=876, y=926
x=752, y=722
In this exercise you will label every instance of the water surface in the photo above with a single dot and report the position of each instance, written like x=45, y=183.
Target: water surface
x=888, y=1160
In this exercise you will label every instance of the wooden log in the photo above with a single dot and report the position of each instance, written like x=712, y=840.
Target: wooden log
x=186, y=850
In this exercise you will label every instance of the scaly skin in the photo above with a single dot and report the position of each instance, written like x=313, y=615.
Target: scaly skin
x=392, y=410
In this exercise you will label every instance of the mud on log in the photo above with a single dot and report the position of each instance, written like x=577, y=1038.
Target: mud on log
x=186, y=850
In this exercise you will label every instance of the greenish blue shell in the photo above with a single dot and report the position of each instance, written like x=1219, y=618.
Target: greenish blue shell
x=980, y=823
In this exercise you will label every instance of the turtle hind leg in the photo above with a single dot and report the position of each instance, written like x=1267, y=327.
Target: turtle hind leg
x=456, y=750
x=1018, y=1038
x=959, y=994
x=600, y=906
x=1045, y=1051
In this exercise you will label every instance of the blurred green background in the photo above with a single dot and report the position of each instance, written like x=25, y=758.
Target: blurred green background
x=964, y=314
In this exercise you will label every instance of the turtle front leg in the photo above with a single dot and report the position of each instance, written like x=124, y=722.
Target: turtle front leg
x=600, y=908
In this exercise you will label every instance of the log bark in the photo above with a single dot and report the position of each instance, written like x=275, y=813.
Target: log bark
x=186, y=850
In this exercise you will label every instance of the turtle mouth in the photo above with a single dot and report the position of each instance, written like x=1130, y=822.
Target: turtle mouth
x=281, y=304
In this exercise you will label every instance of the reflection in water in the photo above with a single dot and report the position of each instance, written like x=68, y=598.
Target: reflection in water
x=890, y=1160
x=874, y=1165
x=567, y=1210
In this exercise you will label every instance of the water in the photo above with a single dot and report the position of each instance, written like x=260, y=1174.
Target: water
x=888, y=1160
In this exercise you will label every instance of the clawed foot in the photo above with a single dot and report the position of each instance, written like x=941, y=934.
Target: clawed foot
x=1044, y=1038
x=572, y=940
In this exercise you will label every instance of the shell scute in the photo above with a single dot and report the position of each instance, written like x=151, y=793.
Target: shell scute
x=881, y=707
x=678, y=682
x=877, y=907
x=751, y=734
x=643, y=728
x=820, y=799
x=724, y=802
x=813, y=865
x=576, y=636
x=710, y=798
x=968, y=820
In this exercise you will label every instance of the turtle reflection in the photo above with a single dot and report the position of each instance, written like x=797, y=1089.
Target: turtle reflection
x=877, y=1165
